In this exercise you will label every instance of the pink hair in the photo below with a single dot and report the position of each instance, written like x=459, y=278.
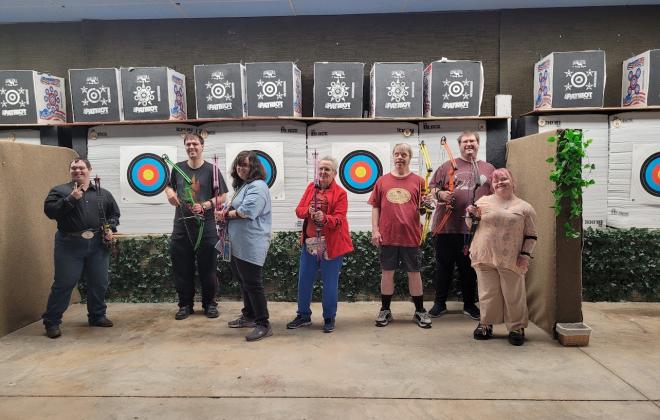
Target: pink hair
x=497, y=173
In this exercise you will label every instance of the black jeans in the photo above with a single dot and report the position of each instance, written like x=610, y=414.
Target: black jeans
x=252, y=285
x=184, y=259
x=449, y=252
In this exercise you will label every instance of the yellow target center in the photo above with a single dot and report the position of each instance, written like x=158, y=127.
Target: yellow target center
x=148, y=174
x=360, y=172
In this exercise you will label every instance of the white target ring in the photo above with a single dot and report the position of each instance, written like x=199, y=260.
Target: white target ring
x=579, y=79
x=269, y=89
x=456, y=89
x=218, y=91
x=93, y=95
x=12, y=97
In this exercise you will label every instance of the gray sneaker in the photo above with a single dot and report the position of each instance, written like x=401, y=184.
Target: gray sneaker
x=422, y=319
x=384, y=318
x=259, y=332
x=241, y=322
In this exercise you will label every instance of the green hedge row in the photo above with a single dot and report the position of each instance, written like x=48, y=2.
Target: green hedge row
x=617, y=265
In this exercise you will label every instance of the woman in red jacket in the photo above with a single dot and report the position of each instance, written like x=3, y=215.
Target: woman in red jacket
x=325, y=241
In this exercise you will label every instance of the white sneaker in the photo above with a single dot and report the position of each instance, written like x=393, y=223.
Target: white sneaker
x=423, y=319
x=384, y=318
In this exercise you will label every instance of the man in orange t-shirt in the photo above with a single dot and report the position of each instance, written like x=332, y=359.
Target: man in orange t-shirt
x=396, y=229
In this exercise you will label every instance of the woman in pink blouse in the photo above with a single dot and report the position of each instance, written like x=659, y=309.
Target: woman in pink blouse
x=500, y=253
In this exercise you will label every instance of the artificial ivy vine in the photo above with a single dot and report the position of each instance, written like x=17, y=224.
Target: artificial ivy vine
x=567, y=175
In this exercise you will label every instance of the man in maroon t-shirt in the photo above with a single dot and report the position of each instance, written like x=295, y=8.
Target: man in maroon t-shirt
x=396, y=229
x=450, y=234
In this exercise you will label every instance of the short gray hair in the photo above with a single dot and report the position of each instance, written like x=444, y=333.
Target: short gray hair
x=333, y=162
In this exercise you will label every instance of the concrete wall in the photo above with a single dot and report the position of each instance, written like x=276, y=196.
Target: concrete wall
x=27, y=173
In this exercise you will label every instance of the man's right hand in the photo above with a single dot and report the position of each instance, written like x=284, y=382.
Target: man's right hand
x=172, y=198
x=376, y=238
x=446, y=196
x=77, y=192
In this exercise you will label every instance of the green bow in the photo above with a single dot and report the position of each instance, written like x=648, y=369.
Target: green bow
x=189, y=200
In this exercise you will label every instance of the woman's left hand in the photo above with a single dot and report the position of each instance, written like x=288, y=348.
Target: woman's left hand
x=318, y=216
x=523, y=263
x=221, y=215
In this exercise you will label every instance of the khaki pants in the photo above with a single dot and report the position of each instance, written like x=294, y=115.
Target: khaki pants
x=502, y=297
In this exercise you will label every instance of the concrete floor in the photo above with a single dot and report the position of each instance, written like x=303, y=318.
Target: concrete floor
x=150, y=366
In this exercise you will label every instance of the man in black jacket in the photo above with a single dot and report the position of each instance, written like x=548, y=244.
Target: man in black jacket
x=79, y=208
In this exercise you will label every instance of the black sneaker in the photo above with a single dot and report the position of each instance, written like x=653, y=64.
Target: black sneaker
x=259, y=332
x=438, y=309
x=328, y=325
x=517, y=337
x=211, y=311
x=184, y=312
x=241, y=322
x=299, y=321
x=384, y=318
x=53, y=331
x=472, y=311
x=483, y=332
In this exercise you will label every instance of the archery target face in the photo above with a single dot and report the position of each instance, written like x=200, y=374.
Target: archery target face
x=144, y=174
x=645, y=177
x=360, y=167
x=269, y=166
x=649, y=175
x=271, y=156
x=147, y=174
x=359, y=170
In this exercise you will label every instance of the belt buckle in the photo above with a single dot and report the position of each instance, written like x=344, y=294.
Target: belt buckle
x=88, y=234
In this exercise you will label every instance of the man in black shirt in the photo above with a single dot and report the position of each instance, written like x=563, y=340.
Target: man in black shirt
x=194, y=235
x=78, y=207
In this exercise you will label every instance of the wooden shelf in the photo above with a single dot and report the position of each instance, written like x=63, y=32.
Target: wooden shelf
x=607, y=110
x=208, y=120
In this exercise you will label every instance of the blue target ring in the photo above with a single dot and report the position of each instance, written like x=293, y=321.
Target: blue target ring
x=269, y=165
x=649, y=174
x=359, y=171
x=147, y=174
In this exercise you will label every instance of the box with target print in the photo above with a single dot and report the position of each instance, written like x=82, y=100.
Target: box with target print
x=453, y=88
x=95, y=95
x=641, y=80
x=29, y=97
x=153, y=93
x=338, y=89
x=396, y=90
x=220, y=90
x=274, y=89
x=573, y=79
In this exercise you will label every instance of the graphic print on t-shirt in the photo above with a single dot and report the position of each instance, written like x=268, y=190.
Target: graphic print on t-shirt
x=398, y=195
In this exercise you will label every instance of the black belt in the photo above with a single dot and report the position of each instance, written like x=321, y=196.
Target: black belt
x=86, y=234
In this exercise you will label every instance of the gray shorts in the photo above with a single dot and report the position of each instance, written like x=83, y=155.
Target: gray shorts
x=407, y=258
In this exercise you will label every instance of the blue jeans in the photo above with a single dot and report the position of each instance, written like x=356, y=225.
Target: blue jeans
x=309, y=266
x=75, y=256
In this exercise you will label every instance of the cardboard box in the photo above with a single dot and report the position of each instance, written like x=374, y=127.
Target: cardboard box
x=640, y=86
x=396, y=90
x=274, y=89
x=220, y=90
x=338, y=89
x=95, y=95
x=453, y=88
x=30, y=97
x=570, y=80
x=153, y=93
